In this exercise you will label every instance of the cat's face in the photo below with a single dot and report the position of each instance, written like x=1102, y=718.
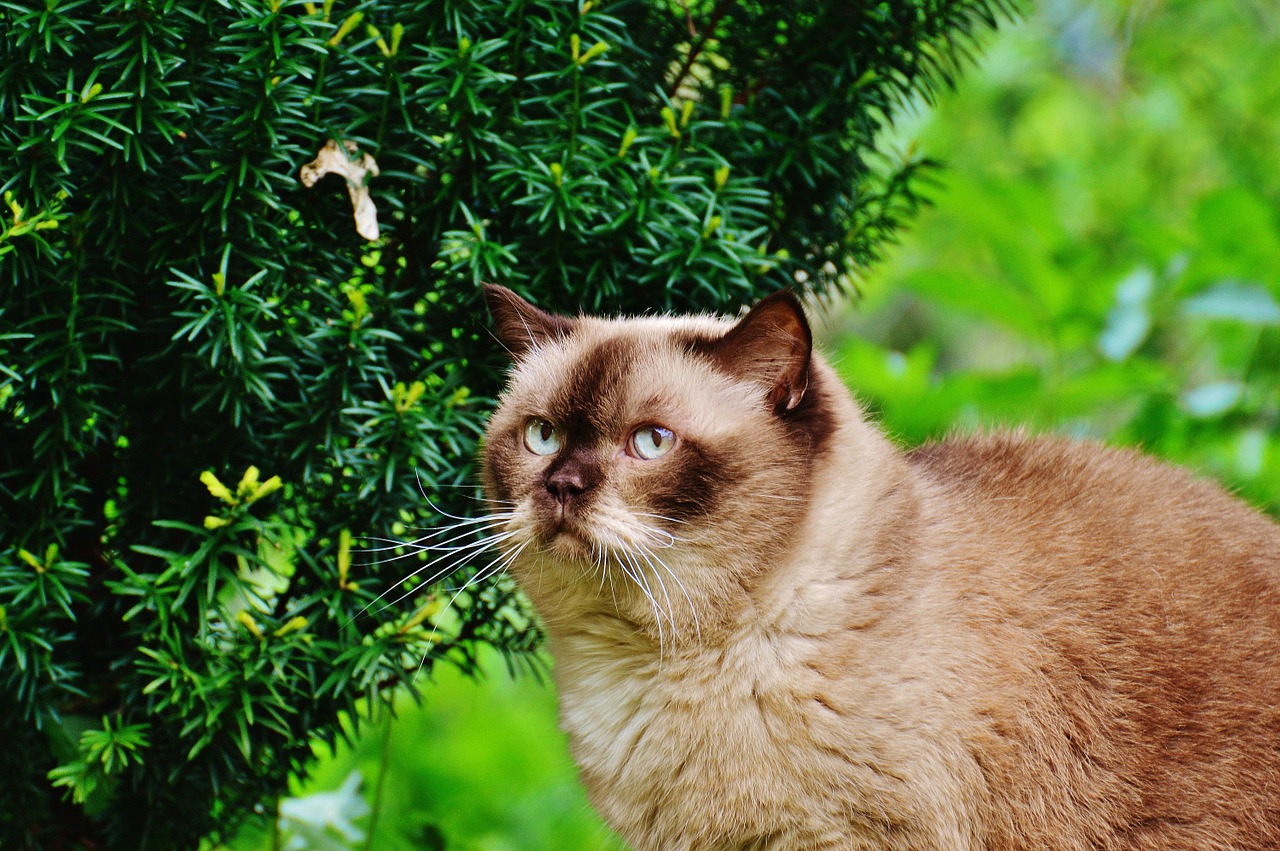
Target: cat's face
x=649, y=467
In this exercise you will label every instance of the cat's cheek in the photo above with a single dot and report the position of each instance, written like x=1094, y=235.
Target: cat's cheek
x=507, y=470
x=690, y=484
x=498, y=471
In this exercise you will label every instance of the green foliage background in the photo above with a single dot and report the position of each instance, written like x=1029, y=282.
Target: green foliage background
x=1103, y=259
x=1104, y=255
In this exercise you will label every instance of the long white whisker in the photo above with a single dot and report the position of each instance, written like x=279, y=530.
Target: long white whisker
x=638, y=579
x=661, y=517
x=478, y=544
x=652, y=557
x=497, y=565
x=455, y=558
x=484, y=518
x=665, y=538
x=598, y=563
x=444, y=513
x=475, y=522
x=502, y=561
x=504, y=503
x=473, y=495
x=637, y=576
x=663, y=585
x=442, y=546
x=601, y=555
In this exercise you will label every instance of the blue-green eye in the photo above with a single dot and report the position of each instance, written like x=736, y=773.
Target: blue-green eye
x=650, y=442
x=541, y=437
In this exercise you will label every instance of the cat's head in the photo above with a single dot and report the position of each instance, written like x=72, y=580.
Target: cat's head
x=651, y=467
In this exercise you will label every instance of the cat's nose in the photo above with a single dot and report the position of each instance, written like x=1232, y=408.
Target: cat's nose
x=566, y=485
x=572, y=476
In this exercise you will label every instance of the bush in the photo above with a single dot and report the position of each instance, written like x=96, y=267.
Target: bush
x=211, y=384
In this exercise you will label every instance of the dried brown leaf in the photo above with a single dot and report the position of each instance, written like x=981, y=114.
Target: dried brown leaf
x=346, y=161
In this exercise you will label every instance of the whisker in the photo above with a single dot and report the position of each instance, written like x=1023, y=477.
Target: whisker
x=442, y=545
x=475, y=496
x=652, y=557
x=502, y=561
x=666, y=539
x=442, y=512
x=472, y=487
x=642, y=583
x=479, y=544
x=598, y=564
x=425, y=541
x=661, y=517
x=671, y=617
x=455, y=558
x=506, y=503
x=489, y=519
x=639, y=583
x=600, y=554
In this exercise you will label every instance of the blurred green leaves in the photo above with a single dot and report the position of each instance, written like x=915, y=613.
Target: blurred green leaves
x=478, y=766
x=1105, y=253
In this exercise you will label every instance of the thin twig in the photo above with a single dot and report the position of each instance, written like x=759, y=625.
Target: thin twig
x=720, y=10
x=383, y=770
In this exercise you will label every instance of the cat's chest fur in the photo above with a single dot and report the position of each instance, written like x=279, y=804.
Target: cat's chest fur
x=750, y=747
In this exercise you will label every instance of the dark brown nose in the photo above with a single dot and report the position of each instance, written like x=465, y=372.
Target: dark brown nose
x=568, y=481
x=566, y=485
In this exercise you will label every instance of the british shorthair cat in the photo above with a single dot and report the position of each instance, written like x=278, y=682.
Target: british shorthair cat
x=774, y=629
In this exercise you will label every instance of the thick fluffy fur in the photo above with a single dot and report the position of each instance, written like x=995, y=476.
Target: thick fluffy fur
x=786, y=633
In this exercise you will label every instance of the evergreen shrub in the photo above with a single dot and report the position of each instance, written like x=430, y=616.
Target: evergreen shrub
x=211, y=385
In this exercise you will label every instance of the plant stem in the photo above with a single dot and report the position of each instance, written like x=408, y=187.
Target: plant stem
x=376, y=810
x=695, y=50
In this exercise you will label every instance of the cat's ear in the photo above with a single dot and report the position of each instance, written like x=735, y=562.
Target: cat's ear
x=518, y=325
x=772, y=345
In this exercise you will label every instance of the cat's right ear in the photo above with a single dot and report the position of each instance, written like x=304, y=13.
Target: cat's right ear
x=518, y=325
x=771, y=345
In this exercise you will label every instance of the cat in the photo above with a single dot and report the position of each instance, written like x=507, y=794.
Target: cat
x=774, y=629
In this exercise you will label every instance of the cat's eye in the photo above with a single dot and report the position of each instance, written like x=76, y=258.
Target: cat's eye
x=541, y=437
x=652, y=441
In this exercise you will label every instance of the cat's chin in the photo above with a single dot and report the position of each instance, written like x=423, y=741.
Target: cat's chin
x=569, y=543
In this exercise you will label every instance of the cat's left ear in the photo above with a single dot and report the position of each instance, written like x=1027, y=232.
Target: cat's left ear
x=518, y=325
x=772, y=345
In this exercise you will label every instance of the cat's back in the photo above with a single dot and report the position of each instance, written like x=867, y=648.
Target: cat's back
x=1048, y=497
x=1125, y=617
x=1108, y=548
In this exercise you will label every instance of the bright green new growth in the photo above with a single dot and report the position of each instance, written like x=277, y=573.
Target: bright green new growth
x=214, y=394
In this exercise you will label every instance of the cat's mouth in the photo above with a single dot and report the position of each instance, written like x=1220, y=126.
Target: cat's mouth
x=567, y=536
